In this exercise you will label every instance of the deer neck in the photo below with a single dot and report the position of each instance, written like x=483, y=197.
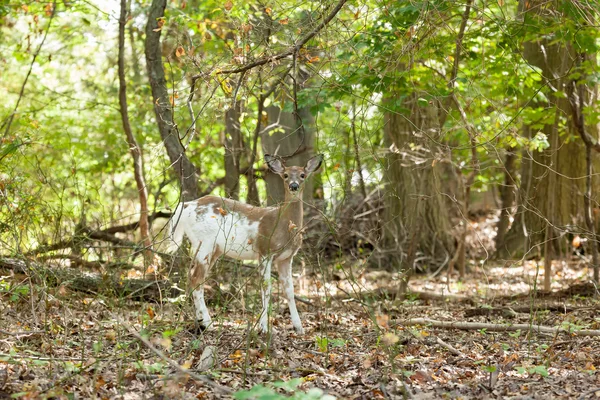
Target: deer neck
x=292, y=210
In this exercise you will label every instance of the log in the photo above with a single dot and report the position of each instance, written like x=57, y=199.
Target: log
x=109, y=284
x=511, y=311
x=553, y=330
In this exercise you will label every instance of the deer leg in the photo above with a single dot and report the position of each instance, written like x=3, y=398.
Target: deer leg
x=265, y=293
x=197, y=279
x=285, y=277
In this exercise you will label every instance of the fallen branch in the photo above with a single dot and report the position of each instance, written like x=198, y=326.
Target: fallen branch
x=553, y=330
x=18, y=335
x=134, y=225
x=86, y=235
x=513, y=310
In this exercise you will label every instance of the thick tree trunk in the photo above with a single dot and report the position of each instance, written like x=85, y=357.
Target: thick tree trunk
x=415, y=217
x=563, y=162
x=134, y=148
x=233, y=150
x=163, y=107
x=293, y=143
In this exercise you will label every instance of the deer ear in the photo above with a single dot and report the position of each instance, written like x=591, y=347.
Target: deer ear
x=274, y=164
x=314, y=163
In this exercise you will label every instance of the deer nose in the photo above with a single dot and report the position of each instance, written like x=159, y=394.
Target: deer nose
x=294, y=186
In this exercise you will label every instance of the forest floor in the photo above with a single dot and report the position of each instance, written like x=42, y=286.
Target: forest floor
x=360, y=343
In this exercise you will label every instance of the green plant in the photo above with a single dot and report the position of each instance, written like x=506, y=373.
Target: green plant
x=269, y=392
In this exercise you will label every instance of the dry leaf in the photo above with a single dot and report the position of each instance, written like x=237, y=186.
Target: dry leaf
x=383, y=320
x=284, y=21
x=180, y=51
x=160, y=22
x=166, y=343
x=222, y=211
x=246, y=28
x=150, y=312
x=268, y=11
x=110, y=335
x=292, y=226
x=228, y=5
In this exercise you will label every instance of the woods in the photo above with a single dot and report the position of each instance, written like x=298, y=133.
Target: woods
x=446, y=246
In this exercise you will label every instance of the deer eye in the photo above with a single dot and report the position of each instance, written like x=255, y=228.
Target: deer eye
x=302, y=176
x=285, y=176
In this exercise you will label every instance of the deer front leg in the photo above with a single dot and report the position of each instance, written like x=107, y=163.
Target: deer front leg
x=265, y=293
x=197, y=278
x=285, y=276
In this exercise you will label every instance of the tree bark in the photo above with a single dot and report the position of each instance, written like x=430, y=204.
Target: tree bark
x=291, y=142
x=415, y=218
x=579, y=95
x=164, y=107
x=507, y=197
x=564, y=162
x=233, y=150
x=134, y=148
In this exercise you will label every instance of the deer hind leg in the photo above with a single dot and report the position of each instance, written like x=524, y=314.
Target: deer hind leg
x=266, y=263
x=285, y=277
x=198, y=277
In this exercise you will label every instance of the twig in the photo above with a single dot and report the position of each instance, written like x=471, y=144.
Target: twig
x=202, y=378
x=37, y=53
x=588, y=393
x=20, y=334
x=499, y=327
x=448, y=347
x=294, y=49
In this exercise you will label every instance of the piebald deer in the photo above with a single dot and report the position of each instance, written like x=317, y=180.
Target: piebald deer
x=271, y=235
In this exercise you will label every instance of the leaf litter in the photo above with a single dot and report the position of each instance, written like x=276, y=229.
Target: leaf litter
x=61, y=344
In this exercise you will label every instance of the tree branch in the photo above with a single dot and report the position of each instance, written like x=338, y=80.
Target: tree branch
x=12, y=115
x=294, y=49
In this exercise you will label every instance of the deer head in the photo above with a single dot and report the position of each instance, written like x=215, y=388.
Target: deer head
x=293, y=177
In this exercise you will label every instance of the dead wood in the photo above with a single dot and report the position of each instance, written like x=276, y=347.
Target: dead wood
x=511, y=311
x=109, y=284
x=135, y=225
x=78, y=239
x=553, y=330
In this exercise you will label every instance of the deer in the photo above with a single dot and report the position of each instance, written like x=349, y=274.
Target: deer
x=217, y=226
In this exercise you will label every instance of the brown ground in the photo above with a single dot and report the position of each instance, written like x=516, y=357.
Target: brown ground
x=61, y=344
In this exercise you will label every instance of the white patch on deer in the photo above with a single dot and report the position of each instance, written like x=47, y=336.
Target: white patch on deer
x=230, y=231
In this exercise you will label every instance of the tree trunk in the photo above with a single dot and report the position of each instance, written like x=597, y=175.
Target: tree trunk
x=563, y=163
x=507, y=197
x=134, y=148
x=233, y=151
x=163, y=107
x=415, y=217
x=292, y=143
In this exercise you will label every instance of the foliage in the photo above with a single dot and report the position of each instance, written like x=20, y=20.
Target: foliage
x=261, y=392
